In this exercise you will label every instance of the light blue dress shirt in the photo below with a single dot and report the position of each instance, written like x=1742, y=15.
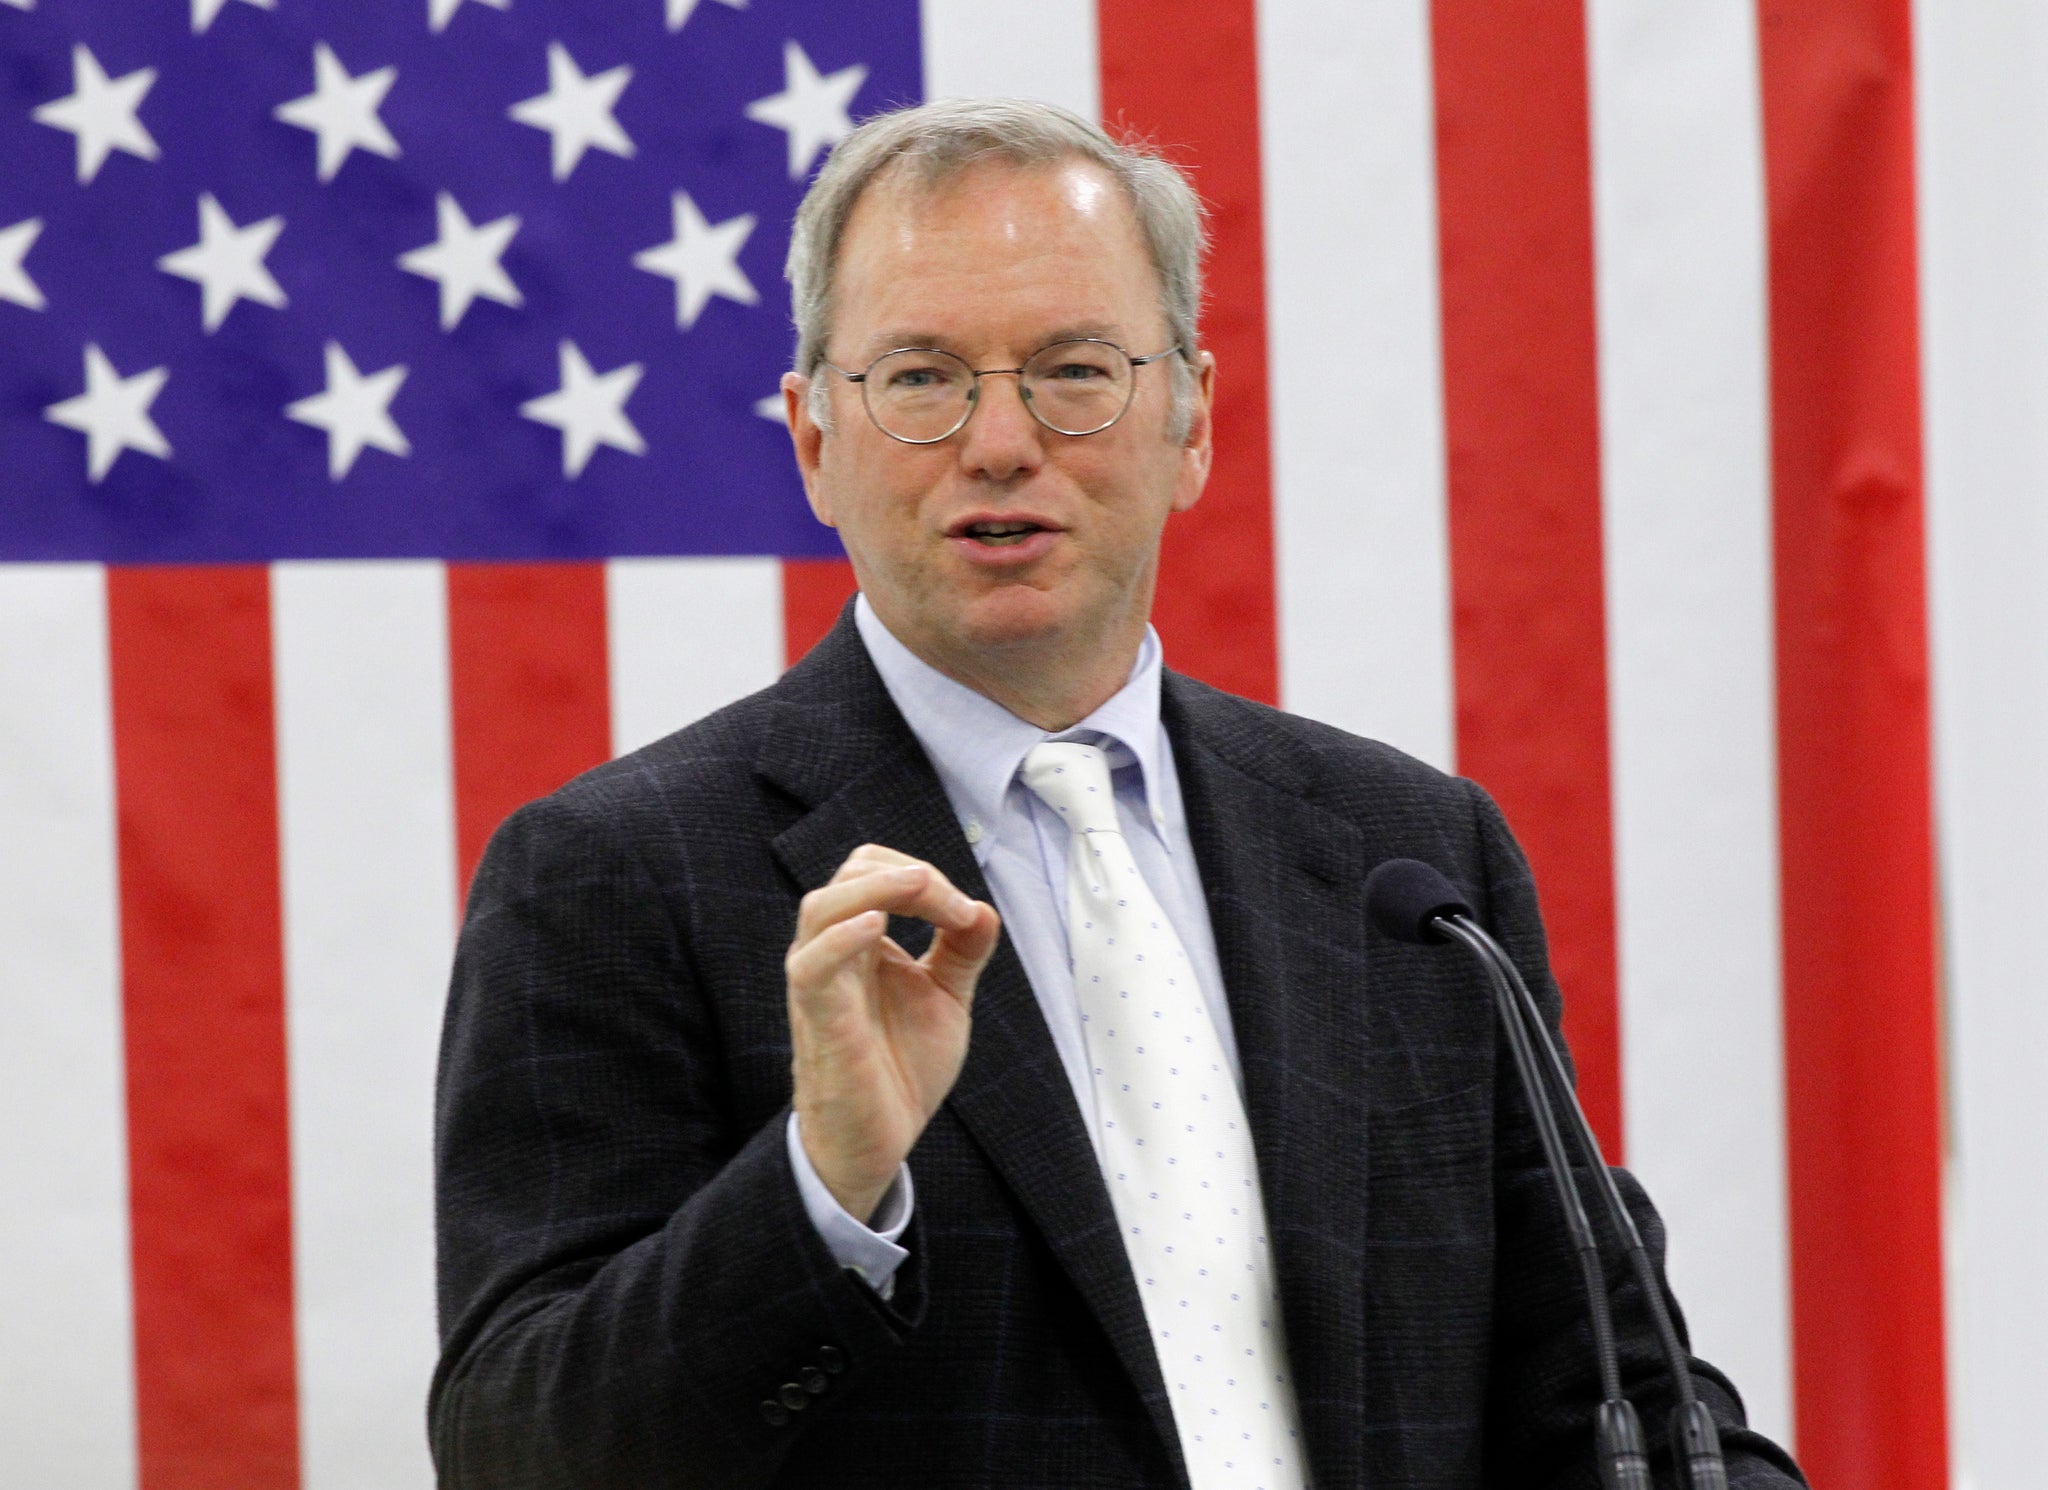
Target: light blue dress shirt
x=977, y=747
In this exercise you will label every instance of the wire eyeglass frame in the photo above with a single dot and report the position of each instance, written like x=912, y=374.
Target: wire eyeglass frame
x=973, y=398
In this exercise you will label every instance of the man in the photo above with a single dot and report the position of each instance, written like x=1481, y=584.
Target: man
x=966, y=1063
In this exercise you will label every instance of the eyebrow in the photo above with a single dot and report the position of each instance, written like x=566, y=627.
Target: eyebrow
x=895, y=340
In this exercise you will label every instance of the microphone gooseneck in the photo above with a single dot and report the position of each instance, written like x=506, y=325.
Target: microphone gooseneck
x=1413, y=902
x=1695, y=1441
x=1624, y=1459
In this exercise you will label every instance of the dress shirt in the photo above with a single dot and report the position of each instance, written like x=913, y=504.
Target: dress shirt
x=977, y=748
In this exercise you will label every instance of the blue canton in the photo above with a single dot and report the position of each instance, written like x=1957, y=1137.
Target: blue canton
x=457, y=279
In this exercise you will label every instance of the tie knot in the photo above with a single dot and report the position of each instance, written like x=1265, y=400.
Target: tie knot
x=1073, y=780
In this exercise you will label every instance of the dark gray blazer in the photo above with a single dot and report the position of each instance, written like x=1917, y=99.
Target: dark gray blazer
x=630, y=1288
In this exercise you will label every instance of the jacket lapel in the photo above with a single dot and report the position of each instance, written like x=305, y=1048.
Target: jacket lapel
x=844, y=751
x=1284, y=881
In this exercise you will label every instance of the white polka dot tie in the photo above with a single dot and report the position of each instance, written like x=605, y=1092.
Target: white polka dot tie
x=1176, y=1150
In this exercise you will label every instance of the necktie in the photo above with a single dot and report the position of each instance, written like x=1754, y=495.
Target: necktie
x=1176, y=1149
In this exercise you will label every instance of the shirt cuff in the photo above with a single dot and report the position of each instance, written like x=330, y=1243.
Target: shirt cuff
x=869, y=1250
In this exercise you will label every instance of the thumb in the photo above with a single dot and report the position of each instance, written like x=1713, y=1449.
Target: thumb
x=956, y=957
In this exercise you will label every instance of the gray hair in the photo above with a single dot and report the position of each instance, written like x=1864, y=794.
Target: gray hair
x=933, y=144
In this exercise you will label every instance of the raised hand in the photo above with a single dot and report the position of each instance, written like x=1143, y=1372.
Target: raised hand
x=878, y=1035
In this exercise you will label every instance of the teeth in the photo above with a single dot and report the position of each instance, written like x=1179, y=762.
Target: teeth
x=1000, y=533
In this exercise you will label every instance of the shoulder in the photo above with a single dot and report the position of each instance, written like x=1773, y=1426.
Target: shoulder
x=708, y=755
x=695, y=793
x=727, y=783
x=1342, y=772
x=692, y=796
x=1388, y=803
x=829, y=702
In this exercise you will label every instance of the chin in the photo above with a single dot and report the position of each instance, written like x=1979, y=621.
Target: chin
x=1013, y=616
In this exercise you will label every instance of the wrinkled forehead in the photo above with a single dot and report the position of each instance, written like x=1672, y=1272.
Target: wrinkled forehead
x=1064, y=217
x=911, y=181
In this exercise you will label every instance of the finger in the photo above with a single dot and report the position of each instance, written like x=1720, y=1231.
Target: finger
x=940, y=902
x=890, y=889
x=870, y=857
x=956, y=957
x=811, y=966
x=910, y=888
x=890, y=951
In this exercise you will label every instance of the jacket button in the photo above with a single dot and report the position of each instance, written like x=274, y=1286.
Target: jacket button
x=814, y=1381
x=793, y=1396
x=832, y=1358
x=775, y=1413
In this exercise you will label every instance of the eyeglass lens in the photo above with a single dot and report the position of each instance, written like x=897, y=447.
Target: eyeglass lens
x=1071, y=387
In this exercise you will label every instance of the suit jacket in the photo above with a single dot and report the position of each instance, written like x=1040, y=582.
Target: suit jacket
x=632, y=1295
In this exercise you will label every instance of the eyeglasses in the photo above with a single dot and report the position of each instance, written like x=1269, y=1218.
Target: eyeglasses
x=921, y=395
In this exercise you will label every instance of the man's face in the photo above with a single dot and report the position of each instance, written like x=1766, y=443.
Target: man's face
x=992, y=267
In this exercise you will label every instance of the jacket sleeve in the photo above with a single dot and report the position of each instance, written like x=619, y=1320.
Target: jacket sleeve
x=1544, y=1383
x=629, y=1288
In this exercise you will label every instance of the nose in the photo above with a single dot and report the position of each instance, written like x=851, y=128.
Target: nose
x=1001, y=440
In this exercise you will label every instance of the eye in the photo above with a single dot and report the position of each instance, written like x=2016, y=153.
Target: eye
x=1076, y=364
x=915, y=371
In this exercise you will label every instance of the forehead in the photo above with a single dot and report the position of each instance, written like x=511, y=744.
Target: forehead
x=998, y=253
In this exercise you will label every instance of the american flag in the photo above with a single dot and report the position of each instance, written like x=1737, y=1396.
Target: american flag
x=1630, y=405
x=348, y=282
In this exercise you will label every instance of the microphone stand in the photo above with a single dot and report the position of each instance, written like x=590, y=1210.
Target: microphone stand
x=1624, y=1458
x=1695, y=1441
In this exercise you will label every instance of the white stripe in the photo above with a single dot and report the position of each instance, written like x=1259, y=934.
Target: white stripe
x=67, y=1377
x=367, y=822
x=1042, y=49
x=1678, y=191
x=1348, y=149
x=1984, y=231
x=688, y=636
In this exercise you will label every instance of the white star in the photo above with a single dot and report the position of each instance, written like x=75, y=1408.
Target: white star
x=702, y=259
x=342, y=111
x=679, y=10
x=355, y=411
x=205, y=11
x=811, y=108
x=101, y=112
x=464, y=258
x=227, y=263
x=441, y=12
x=113, y=413
x=773, y=409
x=20, y=4
x=589, y=410
x=15, y=285
x=577, y=110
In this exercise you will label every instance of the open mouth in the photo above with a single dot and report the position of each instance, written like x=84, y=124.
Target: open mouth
x=1001, y=535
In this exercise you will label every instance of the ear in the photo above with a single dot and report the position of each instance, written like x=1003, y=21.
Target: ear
x=809, y=442
x=1199, y=448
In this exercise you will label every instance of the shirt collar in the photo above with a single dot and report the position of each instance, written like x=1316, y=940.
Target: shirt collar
x=977, y=745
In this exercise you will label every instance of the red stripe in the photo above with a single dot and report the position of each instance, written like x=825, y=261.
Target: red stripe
x=1521, y=410
x=530, y=681
x=203, y=987
x=1187, y=78
x=1863, y=1108
x=814, y=591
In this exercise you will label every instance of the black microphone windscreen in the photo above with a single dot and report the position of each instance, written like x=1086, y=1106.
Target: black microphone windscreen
x=1405, y=896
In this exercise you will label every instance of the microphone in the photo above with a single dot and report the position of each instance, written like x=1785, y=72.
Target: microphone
x=1412, y=902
